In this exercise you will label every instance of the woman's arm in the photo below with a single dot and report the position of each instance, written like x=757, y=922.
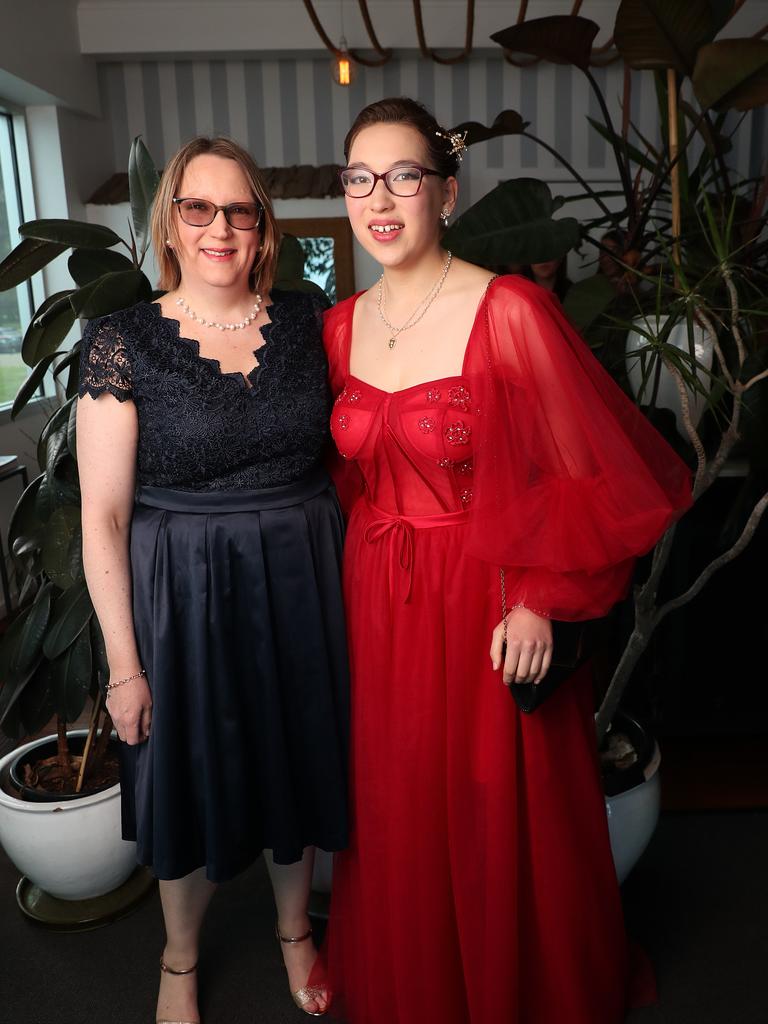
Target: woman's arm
x=107, y=436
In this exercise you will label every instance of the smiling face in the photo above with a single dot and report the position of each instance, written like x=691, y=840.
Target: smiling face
x=217, y=255
x=397, y=230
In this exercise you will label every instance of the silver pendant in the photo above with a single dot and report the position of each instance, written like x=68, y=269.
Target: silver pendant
x=392, y=343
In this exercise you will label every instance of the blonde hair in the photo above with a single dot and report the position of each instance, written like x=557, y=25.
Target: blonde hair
x=164, y=223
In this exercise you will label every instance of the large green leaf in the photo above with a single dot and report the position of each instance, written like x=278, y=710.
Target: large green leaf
x=11, y=690
x=55, y=555
x=60, y=488
x=73, y=356
x=30, y=646
x=58, y=419
x=36, y=703
x=75, y=233
x=72, y=431
x=508, y=122
x=72, y=677
x=561, y=38
x=732, y=74
x=289, y=274
x=25, y=521
x=86, y=265
x=75, y=554
x=512, y=224
x=31, y=385
x=143, y=180
x=660, y=34
x=42, y=338
x=56, y=450
x=110, y=292
x=42, y=319
x=71, y=614
x=587, y=299
x=290, y=260
x=25, y=260
x=99, y=652
x=643, y=159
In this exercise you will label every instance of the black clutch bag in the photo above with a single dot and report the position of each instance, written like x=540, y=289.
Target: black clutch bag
x=571, y=648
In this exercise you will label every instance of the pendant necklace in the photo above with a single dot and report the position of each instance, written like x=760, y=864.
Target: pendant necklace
x=222, y=327
x=420, y=310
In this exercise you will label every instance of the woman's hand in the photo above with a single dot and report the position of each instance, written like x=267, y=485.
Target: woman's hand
x=529, y=647
x=130, y=707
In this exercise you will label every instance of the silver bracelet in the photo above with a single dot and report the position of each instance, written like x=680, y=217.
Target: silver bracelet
x=119, y=682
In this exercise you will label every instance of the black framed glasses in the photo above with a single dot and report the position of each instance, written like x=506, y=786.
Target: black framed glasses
x=199, y=213
x=405, y=180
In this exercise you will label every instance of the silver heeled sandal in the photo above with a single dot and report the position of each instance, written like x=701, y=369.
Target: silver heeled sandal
x=170, y=970
x=308, y=993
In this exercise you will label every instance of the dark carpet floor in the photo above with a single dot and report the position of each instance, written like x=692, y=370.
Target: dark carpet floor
x=698, y=902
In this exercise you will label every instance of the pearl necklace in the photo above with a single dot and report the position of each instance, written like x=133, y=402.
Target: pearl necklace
x=222, y=327
x=420, y=310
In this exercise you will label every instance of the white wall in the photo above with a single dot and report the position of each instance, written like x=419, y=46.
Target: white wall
x=40, y=54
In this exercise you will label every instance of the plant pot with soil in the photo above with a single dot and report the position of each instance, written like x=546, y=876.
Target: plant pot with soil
x=67, y=844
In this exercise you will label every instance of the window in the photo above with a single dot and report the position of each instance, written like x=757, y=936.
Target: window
x=327, y=245
x=16, y=306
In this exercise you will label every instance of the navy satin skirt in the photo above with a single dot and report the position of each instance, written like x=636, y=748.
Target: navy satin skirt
x=239, y=620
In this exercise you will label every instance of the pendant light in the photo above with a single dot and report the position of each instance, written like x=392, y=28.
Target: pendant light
x=343, y=67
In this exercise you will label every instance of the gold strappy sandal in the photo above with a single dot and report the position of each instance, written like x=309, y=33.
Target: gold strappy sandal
x=170, y=970
x=308, y=993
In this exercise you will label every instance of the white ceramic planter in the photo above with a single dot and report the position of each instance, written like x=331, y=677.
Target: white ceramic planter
x=73, y=849
x=667, y=395
x=632, y=818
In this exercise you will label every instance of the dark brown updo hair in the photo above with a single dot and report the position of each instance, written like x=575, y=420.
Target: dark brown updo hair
x=403, y=110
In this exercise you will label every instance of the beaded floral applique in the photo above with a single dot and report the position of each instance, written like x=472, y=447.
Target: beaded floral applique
x=458, y=433
x=459, y=398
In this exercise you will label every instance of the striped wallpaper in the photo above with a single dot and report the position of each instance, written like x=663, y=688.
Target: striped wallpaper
x=290, y=111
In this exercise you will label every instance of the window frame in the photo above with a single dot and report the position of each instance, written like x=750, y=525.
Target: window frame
x=15, y=158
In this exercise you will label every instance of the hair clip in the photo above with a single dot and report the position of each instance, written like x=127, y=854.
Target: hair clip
x=456, y=139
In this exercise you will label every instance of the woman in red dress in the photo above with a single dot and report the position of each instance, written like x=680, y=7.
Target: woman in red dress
x=477, y=432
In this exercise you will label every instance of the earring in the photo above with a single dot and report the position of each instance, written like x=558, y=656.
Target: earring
x=169, y=243
x=444, y=215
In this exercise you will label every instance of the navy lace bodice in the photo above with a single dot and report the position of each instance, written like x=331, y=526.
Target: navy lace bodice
x=204, y=430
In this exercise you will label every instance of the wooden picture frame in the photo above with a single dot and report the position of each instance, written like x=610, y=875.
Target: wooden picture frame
x=339, y=230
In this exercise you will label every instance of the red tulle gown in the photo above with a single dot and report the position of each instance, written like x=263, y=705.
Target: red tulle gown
x=479, y=885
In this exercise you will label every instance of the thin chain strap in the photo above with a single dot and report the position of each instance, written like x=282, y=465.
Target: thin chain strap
x=503, y=603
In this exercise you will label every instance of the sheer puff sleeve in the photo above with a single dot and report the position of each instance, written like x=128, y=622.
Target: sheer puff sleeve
x=571, y=481
x=105, y=364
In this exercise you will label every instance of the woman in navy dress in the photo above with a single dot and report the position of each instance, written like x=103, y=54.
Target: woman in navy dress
x=212, y=539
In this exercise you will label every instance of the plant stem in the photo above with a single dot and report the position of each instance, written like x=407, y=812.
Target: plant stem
x=103, y=741
x=62, y=753
x=636, y=644
x=717, y=563
x=675, y=165
x=690, y=427
x=89, y=740
x=571, y=170
x=626, y=182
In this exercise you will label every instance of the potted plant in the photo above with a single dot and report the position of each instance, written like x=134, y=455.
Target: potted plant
x=52, y=657
x=688, y=258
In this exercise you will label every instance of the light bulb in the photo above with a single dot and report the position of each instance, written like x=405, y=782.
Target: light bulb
x=343, y=67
